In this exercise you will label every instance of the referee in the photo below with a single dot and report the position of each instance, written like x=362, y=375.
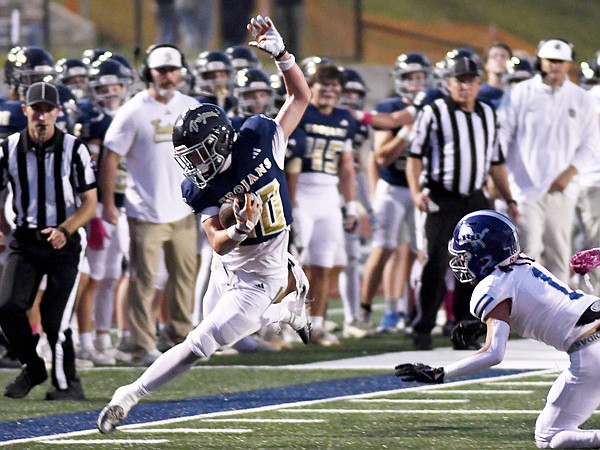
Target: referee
x=54, y=188
x=454, y=150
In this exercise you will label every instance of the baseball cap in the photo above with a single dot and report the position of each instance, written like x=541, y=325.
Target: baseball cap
x=164, y=57
x=462, y=66
x=42, y=92
x=555, y=49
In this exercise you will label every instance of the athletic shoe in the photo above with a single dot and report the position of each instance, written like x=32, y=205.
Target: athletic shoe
x=147, y=358
x=98, y=358
x=74, y=391
x=422, y=341
x=354, y=330
x=25, y=382
x=117, y=409
x=330, y=326
x=164, y=342
x=324, y=338
x=389, y=322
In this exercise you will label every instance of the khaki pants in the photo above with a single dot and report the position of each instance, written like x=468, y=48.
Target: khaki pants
x=178, y=240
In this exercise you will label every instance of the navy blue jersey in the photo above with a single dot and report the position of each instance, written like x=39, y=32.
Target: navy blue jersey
x=12, y=119
x=326, y=137
x=238, y=121
x=253, y=169
x=395, y=173
x=490, y=95
x=92, y=122
x=296, y=147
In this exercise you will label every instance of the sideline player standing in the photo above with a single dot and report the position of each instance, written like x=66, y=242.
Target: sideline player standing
x=513, y=291
x=250, y=270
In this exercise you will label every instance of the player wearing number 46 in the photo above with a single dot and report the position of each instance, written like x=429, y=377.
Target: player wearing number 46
x=515, y=292
x=248, y=273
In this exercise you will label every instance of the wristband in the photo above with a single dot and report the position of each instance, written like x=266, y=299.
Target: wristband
x=364, y=117
x=236, y=235
x=287, y=64
x=511, y=201
x=403, y=133
x=351, y=208
x=412, y=110
x=281, y=53
x=64, y=231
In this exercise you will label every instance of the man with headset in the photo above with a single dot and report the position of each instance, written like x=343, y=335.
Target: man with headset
x=158, y=219
x=549, y=130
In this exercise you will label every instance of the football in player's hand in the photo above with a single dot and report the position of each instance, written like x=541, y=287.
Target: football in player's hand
x=226, y=214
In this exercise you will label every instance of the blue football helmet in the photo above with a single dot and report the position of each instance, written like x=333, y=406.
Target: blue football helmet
x=103, y=74
x=203, y=137
x=482, y=241
x=32, y=64
x=353, y=82
x=243, y=57
x=590, y=72
x=73, y=72
x=406, y=64
x=208, y=64
x=247, y=82
x=309, y=64
x=517, y=69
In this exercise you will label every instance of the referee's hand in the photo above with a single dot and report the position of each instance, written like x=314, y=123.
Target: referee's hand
x=56, y=238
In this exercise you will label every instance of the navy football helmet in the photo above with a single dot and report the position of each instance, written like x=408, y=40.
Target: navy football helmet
x=104, y=73
x=482, y=241
x=247, y=82
x=73, y=72
x=31, y=64
x=92, y=54
x=408, y=63
x=353, y=82
x=590, y=72
x=517, y=69
x=203, y=137
x=243, y=57
x=207, y=65
x=309, y=64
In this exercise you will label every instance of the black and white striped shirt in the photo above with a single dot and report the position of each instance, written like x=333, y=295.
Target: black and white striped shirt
x=457, y=147
x=45, y=181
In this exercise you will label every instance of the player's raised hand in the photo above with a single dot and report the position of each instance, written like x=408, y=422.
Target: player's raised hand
x=266, y=37
x=247, y=215
x=586, y=260
x=420, y=372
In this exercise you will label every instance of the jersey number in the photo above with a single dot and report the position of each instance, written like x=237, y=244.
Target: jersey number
x=573, y=295
x=272, y=219
x=324, y=154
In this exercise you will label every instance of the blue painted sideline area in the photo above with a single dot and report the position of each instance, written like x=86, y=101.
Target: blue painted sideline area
x=149, y=411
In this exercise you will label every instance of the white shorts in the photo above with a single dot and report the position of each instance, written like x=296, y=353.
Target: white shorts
x=320, y=225
x=108, y=262
x=394, y=210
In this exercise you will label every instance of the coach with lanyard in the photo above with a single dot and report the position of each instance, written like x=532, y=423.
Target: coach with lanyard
x=54, y=186
x=454, y=150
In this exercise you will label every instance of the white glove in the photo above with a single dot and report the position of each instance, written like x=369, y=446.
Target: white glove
x=247, y=217
x=266, y=37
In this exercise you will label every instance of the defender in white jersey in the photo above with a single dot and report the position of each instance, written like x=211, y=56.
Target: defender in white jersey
x=250, y=263
x=513, y=291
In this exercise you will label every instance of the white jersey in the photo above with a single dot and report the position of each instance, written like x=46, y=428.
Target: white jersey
x=543, y=131
x=543, y=308
x=141, y=131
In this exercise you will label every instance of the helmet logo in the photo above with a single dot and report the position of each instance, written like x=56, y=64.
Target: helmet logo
x=201, y=118
x=468, y=236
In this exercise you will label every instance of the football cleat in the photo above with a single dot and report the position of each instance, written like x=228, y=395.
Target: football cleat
x=299, y=319
x=118, y=408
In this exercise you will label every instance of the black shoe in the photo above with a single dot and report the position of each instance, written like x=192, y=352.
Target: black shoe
x=7, y=362
x=73, y=392
x=25, y=382
x=447, y=328
x=470, y=346
x=422, y=341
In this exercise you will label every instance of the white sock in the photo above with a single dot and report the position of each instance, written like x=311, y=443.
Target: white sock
x=316, y=321
x=85, y=341
x=391, y=304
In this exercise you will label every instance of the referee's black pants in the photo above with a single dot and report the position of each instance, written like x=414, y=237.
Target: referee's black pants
x=439, y=227
x=30, y=258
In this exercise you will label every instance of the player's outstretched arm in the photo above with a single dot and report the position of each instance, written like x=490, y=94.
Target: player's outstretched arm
x=267, y=38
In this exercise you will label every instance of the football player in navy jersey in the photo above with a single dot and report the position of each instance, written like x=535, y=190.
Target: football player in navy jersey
x=496, y=58
x=214, y=79
x=327, y=164
x=251, y=259
x=394, y=241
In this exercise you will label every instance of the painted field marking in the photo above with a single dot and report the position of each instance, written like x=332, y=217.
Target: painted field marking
x=266, y=420
x=414, y=411
x=406, y=400
x=520, y=383
x=480, y=391
x=278, y=407
x=191, y=430
x=104, y=441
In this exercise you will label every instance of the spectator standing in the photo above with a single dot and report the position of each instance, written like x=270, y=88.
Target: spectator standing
x=454, y=150
x=197, y=19
x=290, y=14
x=166, y=19
x=141, y=132
x=47, y=170
x=550, y=133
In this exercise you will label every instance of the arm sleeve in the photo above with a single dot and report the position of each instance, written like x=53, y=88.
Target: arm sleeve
x=478, y=362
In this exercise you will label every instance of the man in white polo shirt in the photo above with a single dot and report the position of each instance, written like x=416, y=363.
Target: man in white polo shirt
x=158, y=218
x=549, y=131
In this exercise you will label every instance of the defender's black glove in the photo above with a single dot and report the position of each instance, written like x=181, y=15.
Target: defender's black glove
x=420, y=372
x=465, y=333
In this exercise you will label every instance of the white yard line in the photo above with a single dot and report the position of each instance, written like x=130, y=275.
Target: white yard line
x=105, y=441
x=480, y=391
x=406, y=400
x=189, y=430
